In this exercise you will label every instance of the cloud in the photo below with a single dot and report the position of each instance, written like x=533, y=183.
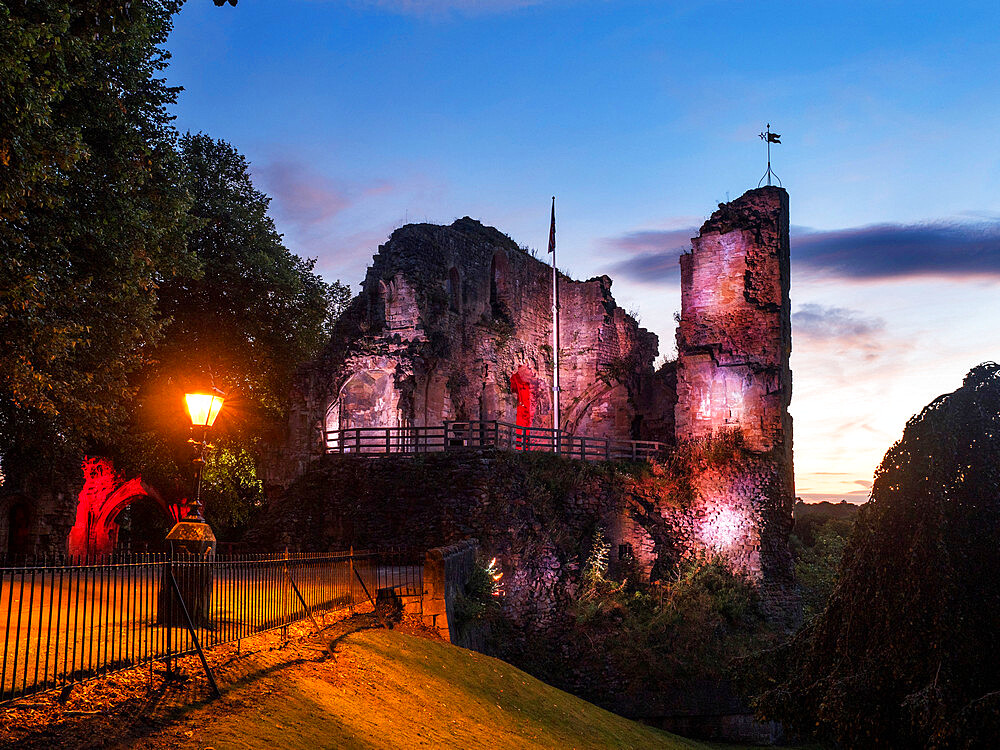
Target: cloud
x=885, y=251
x=957, y=250
x=652, y=253
x=301, y=197
x=821, y=323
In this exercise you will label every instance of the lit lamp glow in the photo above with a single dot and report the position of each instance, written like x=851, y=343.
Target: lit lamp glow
x=204, y=407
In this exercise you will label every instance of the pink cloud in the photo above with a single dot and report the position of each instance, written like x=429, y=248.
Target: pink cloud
x=301, y=196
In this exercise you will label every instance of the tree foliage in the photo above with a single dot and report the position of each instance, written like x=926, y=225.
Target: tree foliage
x=250, y=316
x=817, y=563
x=904, y=655
x=256, y=310
x=93, y=214
x=136, y=263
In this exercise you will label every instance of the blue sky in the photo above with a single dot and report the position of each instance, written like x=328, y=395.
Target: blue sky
x=640, y=116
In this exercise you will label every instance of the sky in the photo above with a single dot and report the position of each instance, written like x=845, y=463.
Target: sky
x=641, y=116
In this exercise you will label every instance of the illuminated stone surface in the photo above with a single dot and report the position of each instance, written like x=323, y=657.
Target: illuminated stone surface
x=735, y=336
x=734, y=340
x=453, y=323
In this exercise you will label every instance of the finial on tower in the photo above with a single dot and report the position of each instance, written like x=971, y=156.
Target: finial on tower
x=768, y=137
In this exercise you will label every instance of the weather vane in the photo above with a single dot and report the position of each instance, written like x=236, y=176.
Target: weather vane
x=768, y=137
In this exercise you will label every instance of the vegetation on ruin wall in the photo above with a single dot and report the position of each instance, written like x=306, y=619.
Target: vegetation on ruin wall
x=904, y=654
x=637, y=646
x=650, y=649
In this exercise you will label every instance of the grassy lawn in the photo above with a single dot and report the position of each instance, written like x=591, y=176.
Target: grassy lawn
x=380, y=690
x=386, y=689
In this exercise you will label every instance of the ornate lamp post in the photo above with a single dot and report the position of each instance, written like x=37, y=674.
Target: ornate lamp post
x=191, y=534
x=203, y=409
x=191, y=539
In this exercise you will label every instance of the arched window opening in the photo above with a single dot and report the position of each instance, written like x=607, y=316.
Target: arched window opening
x=454, y=291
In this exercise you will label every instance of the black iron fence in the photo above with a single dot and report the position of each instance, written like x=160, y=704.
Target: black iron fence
x=481, y=434
x=70, y=621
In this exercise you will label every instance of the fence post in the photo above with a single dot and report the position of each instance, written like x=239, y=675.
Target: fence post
x=350, y=594
x=285, y=596
x=607, y=449
x=387, y=450
x=447, y=430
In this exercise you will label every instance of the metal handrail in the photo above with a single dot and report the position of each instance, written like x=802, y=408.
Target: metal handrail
x=455, y=434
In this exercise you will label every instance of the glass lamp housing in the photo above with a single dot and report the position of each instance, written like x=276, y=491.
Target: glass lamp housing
x=203, y=407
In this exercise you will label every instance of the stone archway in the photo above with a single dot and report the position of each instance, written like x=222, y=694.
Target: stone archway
x=599, y=411
x=367, y=399
x=104, y=495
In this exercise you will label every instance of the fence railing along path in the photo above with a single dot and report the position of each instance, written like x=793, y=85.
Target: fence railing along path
x=482, y=434
x=67, y=622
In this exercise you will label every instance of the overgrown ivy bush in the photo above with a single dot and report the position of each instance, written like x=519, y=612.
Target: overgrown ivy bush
x=479, y=604
x=905, y=654
x=655, y=638
x=816, y=564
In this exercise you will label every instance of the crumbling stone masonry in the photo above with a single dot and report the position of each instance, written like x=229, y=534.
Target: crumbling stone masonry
x=734, y=340
x=454, y=323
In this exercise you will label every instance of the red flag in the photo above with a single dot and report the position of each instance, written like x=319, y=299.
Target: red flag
x=552, y=228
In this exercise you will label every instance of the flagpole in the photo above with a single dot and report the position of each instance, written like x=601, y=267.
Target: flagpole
x=555, y=329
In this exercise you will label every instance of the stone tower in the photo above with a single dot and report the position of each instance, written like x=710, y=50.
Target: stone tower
x=733, y=343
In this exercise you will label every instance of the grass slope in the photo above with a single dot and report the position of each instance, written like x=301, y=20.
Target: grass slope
x=386, y=689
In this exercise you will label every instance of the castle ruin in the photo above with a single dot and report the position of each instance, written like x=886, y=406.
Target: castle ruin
x=453, y=323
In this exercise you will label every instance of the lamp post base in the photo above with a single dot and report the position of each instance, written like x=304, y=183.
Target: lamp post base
x=192, y=543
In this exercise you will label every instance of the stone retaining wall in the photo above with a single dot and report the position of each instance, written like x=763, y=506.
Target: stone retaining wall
x=446, y=572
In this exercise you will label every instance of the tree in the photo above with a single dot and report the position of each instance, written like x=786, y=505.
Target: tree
x=904, y=654
x=93, y=217
x=252, y=315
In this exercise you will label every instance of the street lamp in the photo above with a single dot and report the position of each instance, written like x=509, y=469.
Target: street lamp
x=203, y=408
x=191, y=539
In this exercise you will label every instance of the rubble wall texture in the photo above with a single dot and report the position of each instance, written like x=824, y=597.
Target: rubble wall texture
x=536, y=512
x=446, y=316
x=733, y=376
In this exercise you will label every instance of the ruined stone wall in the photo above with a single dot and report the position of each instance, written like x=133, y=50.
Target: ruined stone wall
x=447, y=570
x=734, y=338
x=36, y=516
x=446, y=317
x=536, y=512
x=733, y=375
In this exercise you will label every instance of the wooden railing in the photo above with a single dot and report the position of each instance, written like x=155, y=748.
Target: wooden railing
x=482, y=434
